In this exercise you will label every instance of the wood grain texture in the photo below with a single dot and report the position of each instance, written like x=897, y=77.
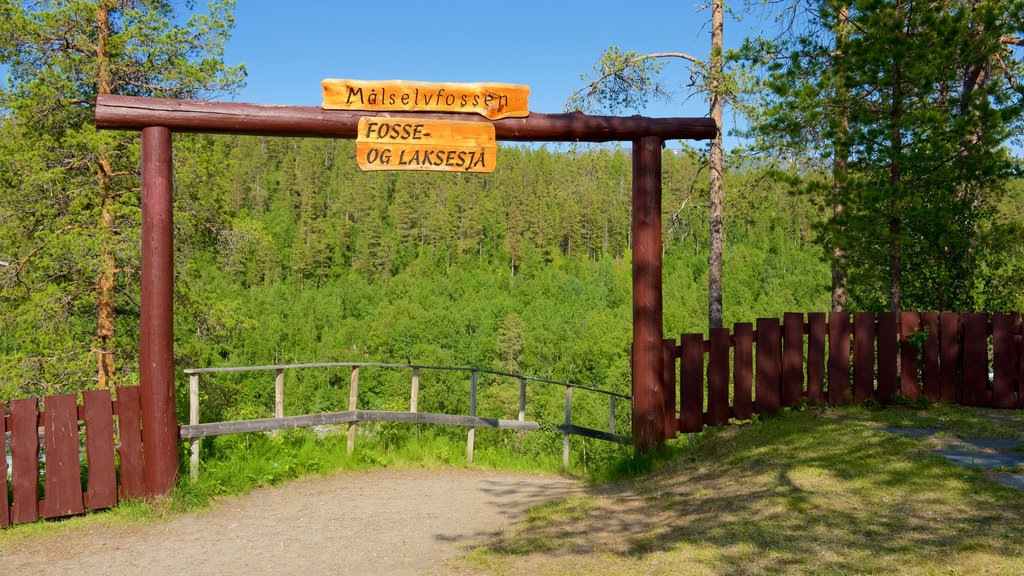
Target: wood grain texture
x=838, y=357
x=930, y=357
x=975, y=359
x=718, y=377
x=98, y=414
x=691, y=383
x=863, y=356
x=491, y=100
x=63, y=461
x=129, y=446
x=5, y=508
x=743, y=370
x=887, y=352
x=769, y=364
x=910, y=323
x=792, y=358
x=816, y=357
x=23, y=425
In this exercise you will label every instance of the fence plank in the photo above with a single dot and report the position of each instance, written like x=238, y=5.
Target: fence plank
x=1019, y=342
x=910, y=322
x=975, y=364
x=1004, y=358
x=743, y=370
x=792, y=358
x=691, y=383
x=98, y=414
x=769, y=357
x=838, y=357
x=5, y=509
x=669, y=353
x=63, y=460
x=949, y=355
x=129, y=447
x=887, y=328
x=930, y=356
x=24, y=428
x=863, y=356
x=718, y=377
x=816, y=357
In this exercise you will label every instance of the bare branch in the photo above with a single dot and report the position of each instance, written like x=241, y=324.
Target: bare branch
x=592, y=86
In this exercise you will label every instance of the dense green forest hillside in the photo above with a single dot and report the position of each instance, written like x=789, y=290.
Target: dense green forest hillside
x=286, y=252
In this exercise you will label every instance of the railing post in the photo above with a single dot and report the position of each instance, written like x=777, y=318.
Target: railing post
x=414, y=396
x=565, y=432
x=471, y=435
x=279, y=393
x=522, y=399
x=193, y=418
x=353, y=395
x=611, y=414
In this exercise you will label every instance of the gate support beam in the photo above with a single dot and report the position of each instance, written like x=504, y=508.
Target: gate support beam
x=156, y=353
x=648, y=404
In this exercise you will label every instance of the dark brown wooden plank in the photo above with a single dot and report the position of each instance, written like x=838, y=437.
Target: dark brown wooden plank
x=24, y=428
x=816, y=357
x=1004, y=359
x=129, y=446
x=792, y=358
x=135, y=113
x=949, y=356
x=691, y=383
x=670, y=355
x=5, y=509
x=743, y=370
x=838, y=357
x=930, y=356
x=910, y=324
x=886, y=351
x=98, y=415
x=1019, y=343
x=769, y=364
x=718, y=377
x=63, y=460
x=975, y=363
x=863, y=356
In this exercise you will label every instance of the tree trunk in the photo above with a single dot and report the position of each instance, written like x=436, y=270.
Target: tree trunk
x=896, y=152
x=715, y=170
x=105, y=315
x=840, y=165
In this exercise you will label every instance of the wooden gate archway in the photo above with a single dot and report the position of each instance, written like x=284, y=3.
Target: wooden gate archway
x=158, y=118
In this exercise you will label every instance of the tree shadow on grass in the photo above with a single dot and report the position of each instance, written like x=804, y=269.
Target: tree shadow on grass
x=798, y=493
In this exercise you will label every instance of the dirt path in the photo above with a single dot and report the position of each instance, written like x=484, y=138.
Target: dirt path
x=380, y=522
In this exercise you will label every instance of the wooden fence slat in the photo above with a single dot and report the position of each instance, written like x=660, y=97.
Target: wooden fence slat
x=1004, y=358
x=129, y=447
x=743, y=370
x=838, y=357
x=910, y=323
x=24, y=428
x=691, y=383
x=98, y=414
x=1019, y=342
x=718, y=377
x=816, y=357
x=863, y=356
x=949, y=355
x=63, y=459
x=669, y=353
x=792, y=358
x=5, y=509
x=975, y=364
x=887, y=354
x=769, y=359
x=930, y=356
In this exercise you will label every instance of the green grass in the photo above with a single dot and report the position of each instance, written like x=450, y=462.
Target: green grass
x=812, y=492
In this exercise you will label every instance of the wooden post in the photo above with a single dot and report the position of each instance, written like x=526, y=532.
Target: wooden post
x=156, y=315
x=568, y=422
x=471, y=435
x=193, y=418
x=279, y=393
x=522, y=399
x=648, y=396
x=353, y=395
x=414, y=396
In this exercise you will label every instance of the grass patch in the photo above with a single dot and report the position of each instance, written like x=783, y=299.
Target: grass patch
x=813, y=492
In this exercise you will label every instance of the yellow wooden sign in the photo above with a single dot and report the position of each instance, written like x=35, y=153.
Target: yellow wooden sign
x=492, y=100
x=418, y=144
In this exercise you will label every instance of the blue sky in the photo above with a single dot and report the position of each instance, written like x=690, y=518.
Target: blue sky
x=545, y=45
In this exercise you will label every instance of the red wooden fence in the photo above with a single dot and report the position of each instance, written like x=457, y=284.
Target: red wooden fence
x=58, y=426
x=969, y=358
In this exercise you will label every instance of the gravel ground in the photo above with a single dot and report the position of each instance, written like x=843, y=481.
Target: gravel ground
x=379, y=522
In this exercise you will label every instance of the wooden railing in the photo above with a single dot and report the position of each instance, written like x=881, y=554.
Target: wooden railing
x=938, y=356
x=55, y=429
x=194, y=431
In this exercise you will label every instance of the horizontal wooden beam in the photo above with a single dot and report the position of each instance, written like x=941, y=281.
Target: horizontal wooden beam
x=596, y=434
x=135, y=113
x=190, y=431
